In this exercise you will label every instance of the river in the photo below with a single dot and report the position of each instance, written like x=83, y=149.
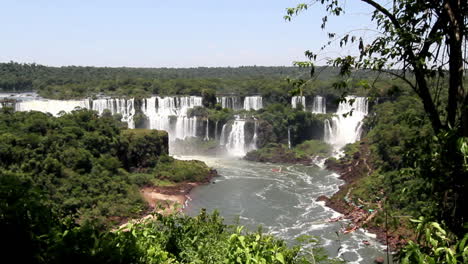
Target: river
x=283, y=203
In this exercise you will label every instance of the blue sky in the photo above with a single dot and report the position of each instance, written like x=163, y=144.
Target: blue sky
x=165, y=33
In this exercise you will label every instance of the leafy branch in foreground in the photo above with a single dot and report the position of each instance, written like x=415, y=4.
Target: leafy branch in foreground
x=435, y=245
x=421, y=43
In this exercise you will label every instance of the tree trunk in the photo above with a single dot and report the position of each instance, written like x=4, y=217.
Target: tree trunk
x=456, y=94
x=423, y=92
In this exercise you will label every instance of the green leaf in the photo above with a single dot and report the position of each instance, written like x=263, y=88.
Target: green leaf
x=280, y=257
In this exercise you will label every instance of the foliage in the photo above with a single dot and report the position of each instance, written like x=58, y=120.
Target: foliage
x=313, y=148
x=140, y=148
x=301, y=124
x=161, y=239
x=421, y=43
x=434, y=245
x=280, y=153
x=78, y=82
x=78, y=161
x=180, y=170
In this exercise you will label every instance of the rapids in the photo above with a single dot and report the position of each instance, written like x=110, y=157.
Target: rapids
x=283, y=203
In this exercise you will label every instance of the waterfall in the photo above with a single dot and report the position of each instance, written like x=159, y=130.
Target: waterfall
x=289, y=137
x=298, y=99
x=52, y=106
x=222, y=142
x=253, y=103
x=232, y=102
x=116, y=106
x=124, y=107
x=319, y=105
x=253, y=143
x=343, y=130
x=207, y=136
x=328, y=132
x=216, y=130
x=236, y=140
x=170, y=114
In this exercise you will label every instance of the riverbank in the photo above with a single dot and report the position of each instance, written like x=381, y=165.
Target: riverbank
x=171, y=198
x=368, y=213
x=167, y=199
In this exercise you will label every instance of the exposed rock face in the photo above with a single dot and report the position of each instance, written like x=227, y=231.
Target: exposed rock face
x=265, y=134
x=352, y=169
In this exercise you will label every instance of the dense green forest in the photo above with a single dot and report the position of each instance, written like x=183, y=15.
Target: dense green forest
x=271, y=82
x=66, y=180
x=86, y=166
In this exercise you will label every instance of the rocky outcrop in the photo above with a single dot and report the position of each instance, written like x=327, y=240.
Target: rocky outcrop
x=353, y=169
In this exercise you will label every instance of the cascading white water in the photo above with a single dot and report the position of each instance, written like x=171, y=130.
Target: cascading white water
x=170, y=114
x=295, y=100
x=328, y=131
x=216, y=130
x=235, y=144
x=117, y=106
x=253, y=143
x=232, y=102
x=343, y=130
x=52, y=106
x=253, y=103
x=319, y=105
x=207, y=130
x=222, y=142
x=289, y=137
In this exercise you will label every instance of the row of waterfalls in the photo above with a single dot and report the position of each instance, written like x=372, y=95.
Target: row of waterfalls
x=172, y=114
x=319, y=105
x=236, y=103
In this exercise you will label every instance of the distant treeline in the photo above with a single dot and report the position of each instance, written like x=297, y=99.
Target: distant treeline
x=77, y=82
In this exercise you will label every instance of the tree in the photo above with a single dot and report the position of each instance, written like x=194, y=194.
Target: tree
x=422, y=43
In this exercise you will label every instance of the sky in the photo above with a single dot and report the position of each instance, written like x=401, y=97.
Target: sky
x=167, y=33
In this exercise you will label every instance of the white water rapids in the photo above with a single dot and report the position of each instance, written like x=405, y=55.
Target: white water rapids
x=283, y=203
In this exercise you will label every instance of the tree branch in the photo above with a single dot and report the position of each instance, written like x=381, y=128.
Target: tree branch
x=430, y=37
x=384, y=11
x=400, y=77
